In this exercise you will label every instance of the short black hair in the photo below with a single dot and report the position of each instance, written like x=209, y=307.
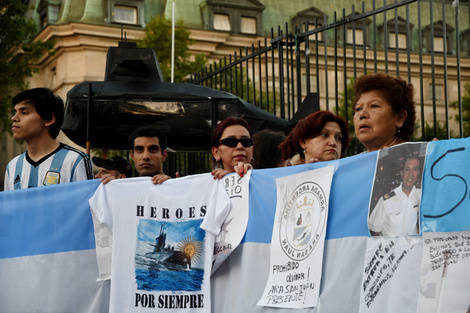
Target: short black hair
x=47, y=104
x=148, y=131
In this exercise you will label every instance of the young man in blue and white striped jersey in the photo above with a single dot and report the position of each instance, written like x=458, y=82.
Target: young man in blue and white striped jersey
x=38, y=117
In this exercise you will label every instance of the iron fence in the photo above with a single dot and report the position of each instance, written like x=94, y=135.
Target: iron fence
x=413, y=39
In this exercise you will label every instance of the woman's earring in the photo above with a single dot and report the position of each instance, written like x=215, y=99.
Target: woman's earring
x=219, y=164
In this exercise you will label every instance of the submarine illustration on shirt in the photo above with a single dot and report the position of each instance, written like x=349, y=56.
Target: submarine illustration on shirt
x=169, y=258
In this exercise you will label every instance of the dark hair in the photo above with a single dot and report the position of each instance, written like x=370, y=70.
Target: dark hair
x=311, y=127
x=411, y=157
x=148, y=131
x=219, y=129
x=229, y=121
x=47, y=105
x=397, y=92
x=266, y=153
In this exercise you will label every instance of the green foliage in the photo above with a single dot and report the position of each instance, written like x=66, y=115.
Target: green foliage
x=158, y=33
x=236, y=84
x=111, y=153
x=429, y=132
x=17, y=54
x=465, y=111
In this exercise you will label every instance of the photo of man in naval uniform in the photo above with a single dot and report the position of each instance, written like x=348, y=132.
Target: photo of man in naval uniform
x=397, y=212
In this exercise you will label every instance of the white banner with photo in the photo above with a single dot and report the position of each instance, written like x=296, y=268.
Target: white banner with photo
x=298, y=239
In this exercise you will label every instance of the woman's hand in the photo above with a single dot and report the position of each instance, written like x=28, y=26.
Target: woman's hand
x=219, y=173
x=242, y=168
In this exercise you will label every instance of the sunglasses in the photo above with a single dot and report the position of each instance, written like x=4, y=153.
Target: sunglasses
x=233, y=142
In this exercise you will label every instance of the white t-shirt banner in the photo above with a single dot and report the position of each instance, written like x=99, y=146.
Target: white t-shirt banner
x=104, y=248
x=234, y=226
x=445, y=283
x=162, y=248
x=298, y=239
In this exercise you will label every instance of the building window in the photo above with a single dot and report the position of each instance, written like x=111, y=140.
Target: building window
x=359, y=30
x=439, y=44
x=397, y=28
x=359, y=40
x=439, y=90
x=48, y=12
x=312, y=27
x=310, y=16
x=248, y=25
x=222, y=22
x=313, y=83
x=126, y=12
x=402, y=43
x=438, y=41
x=237, y=17
x=466, y=41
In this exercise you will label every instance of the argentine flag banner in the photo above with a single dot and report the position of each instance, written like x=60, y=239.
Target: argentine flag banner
x=47, y=251
x=48, y=257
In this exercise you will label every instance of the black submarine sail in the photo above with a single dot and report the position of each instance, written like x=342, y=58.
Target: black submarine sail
x=102, y=114
x=166, y=256
x=160, y=241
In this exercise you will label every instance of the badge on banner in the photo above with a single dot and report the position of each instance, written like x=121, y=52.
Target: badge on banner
x=234, y=227
x=298, y=239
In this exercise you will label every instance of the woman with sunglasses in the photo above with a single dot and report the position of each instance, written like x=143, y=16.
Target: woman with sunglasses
x=321, y=136
x=232, y=147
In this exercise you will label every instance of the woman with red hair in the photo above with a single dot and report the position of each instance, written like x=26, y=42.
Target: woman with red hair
x=321, y=136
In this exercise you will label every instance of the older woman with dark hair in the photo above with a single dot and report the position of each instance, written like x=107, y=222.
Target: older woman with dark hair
x=232, y=147
x=321, y=136
x=384, y=111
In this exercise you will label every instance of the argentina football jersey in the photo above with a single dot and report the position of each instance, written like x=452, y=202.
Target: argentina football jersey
x=63, y=165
